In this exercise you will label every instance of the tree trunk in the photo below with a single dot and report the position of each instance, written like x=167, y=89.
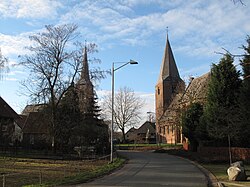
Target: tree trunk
x=123, y=136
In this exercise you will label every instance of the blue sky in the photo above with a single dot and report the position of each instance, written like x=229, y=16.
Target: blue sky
x=124, y=30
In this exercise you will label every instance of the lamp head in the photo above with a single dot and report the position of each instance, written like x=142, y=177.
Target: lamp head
x=133, y=62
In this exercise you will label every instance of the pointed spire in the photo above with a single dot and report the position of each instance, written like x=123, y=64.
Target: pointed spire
x=168, y=66
x=85, y=66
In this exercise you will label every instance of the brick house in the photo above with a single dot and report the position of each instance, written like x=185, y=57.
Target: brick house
x=35, y=129
x=144, y=134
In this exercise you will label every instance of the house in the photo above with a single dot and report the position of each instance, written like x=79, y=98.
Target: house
x=34, y=125
x=7, y=123
x=144, y=134
x=130, y=135
x=36, y=130
x=172, y=98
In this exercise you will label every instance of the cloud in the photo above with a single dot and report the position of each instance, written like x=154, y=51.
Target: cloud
x=14, y=45
x=11, y=79
x=29, y=8
x=199, y=27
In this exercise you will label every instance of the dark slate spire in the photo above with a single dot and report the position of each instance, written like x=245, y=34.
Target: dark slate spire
x=84, y=86
x=168, y=66
x=85, y=67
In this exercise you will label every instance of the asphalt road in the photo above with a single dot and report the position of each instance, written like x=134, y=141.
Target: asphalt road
x=153, y=169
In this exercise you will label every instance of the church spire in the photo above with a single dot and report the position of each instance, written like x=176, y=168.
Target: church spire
x=84, y=85
x=168, y=66
x=85, y=66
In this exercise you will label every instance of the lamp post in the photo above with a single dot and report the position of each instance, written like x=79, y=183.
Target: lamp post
x=112, y=101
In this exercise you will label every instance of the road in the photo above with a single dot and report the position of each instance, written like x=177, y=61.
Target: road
x=153, y=169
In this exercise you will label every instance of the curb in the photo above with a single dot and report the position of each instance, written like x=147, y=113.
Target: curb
x=211, y=179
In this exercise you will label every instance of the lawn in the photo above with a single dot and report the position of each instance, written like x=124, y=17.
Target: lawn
x=220, y=171
x=21, y=172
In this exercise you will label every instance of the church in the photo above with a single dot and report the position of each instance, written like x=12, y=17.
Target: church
x=172, y=97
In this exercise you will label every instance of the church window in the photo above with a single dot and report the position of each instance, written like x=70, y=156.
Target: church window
x=158, y=91
x=168, y=129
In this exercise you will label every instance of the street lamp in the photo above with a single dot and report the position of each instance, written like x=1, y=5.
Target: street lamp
x=112, y=101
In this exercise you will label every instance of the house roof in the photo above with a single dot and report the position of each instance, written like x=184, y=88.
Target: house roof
x=36, y=123
x=145, y=127
x=6, y=110
x=33, y=108
x=21, y=121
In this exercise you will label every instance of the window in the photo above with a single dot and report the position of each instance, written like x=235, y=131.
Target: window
x=158, y=91
x=32, y=139
x=4, y=128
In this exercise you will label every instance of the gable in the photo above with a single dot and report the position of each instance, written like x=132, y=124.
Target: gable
x=36, y=123
x=6, y=111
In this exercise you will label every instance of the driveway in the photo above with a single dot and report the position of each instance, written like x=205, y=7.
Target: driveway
x=153, y=169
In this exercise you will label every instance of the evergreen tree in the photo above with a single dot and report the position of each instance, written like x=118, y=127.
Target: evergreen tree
x=245, y=96
x=95, y=132
x=221, y=113
x=68, y=120
x=190, y=124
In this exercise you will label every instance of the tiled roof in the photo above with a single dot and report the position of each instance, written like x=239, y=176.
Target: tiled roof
x=6, y=110
x=195, y=92
x=33, y=108
x=145, y=127
x=21, y=121
x=36, y=123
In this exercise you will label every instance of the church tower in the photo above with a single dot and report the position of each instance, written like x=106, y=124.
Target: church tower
x=168, y=85
x=84, y=86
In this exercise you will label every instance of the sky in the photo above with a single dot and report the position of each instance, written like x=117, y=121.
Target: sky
x=124, y=30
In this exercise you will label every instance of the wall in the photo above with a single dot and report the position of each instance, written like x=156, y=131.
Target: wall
x=222, y=153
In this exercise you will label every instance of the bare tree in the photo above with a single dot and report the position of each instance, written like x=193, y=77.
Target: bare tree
x=54, y=64
x=127, y=108
x=3, y=64
x=238, y=1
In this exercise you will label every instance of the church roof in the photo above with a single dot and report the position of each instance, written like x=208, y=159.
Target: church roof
x=197, y=89
x=195, y=92
x=168, y=66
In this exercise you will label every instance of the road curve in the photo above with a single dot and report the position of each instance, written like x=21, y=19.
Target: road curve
x=153, y=169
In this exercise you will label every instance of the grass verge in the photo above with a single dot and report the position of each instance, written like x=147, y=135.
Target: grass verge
x=16, y=172
x=86, y=176
x=219, y=170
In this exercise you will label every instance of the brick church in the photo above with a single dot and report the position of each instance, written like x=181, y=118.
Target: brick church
x=171, y=97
